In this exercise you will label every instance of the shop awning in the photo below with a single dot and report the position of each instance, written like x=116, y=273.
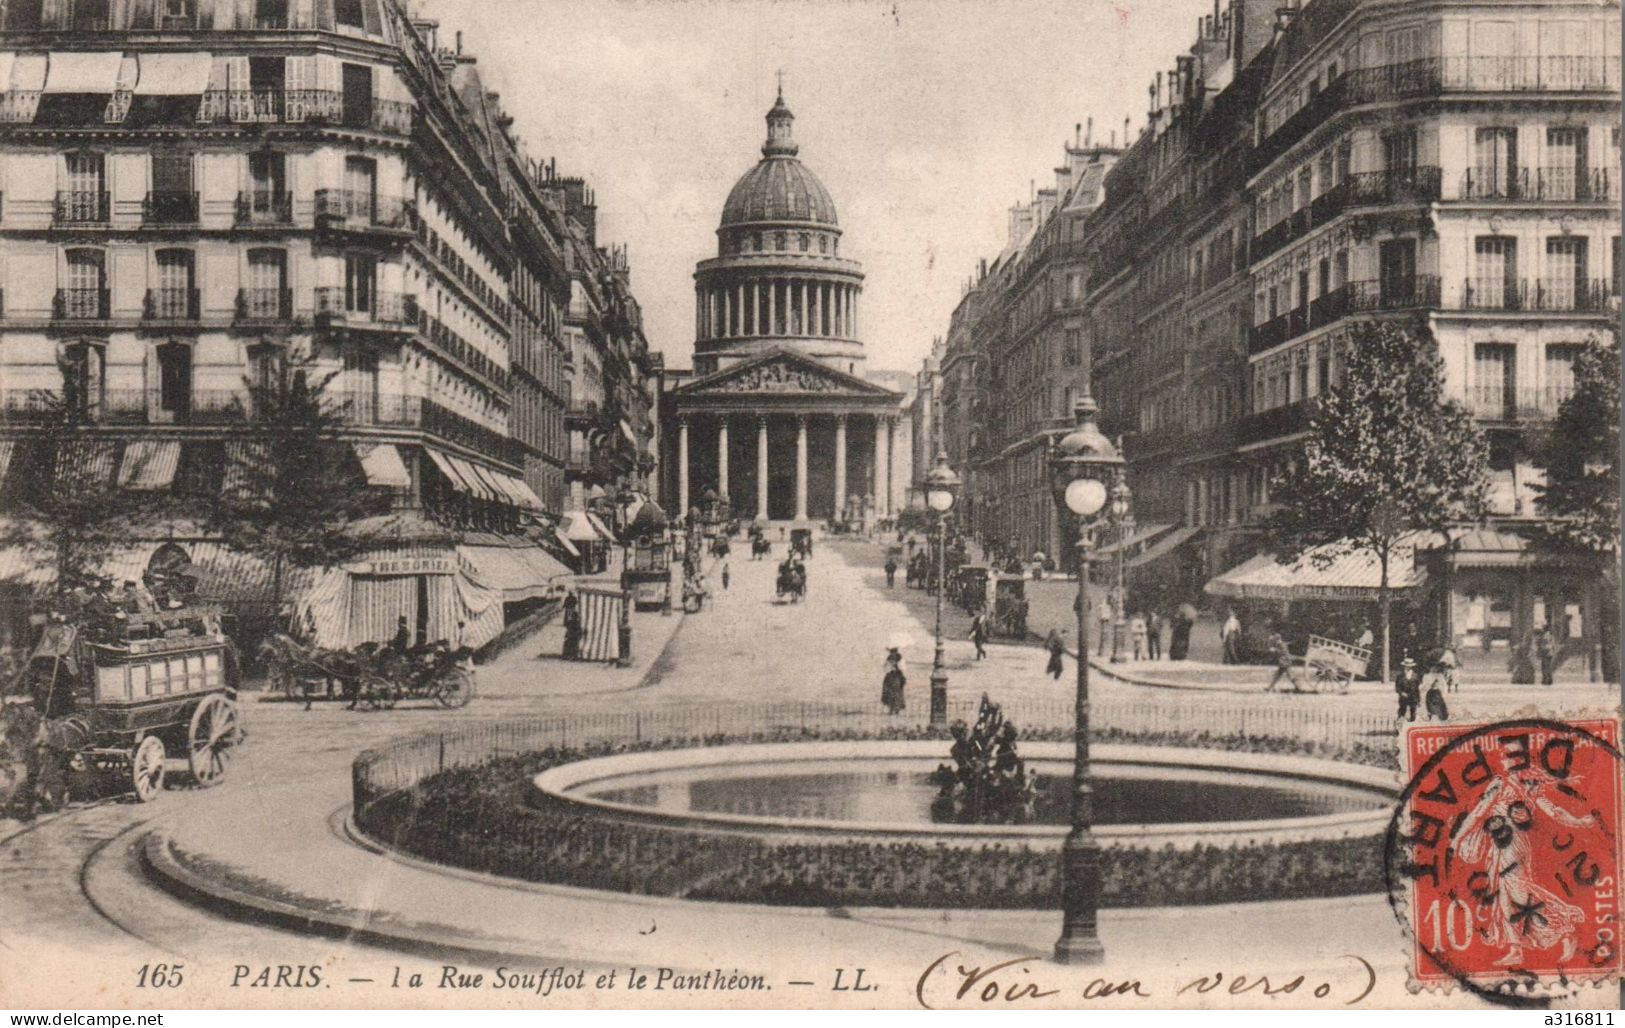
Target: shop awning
x=626, y=430
x=520, y=572
x=509, y=486
x=444, y=465
x=7, y=447
x=84, y=464
x=578, y=527
x=1162, y=547
x=183, y=74
x=242, y=478
x=603, y=529
x=1320, y=574
x=76, y=72
x=149, y=464
x=383, y=465
x=526, y=495
x=478, y=484
x=564, y=541
x=1135, y=538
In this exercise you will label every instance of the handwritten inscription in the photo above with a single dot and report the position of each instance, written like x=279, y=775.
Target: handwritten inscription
x=1026, y=981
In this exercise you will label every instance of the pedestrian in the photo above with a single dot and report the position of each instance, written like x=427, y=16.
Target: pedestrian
x=1448, y=663
x=1056, y=647
x=1138, y=632
x=978, y=633
x=1434, y=703
x=1284, y=664
x=572, y=627
x=725, y=576
x=893, y=681
x=1545, y=654
x=1103, y=614
x=891, y=572
x=1408, y=686
x=1153, y=639
x=402, y=640
x=1179, y=640
x=1230, y=637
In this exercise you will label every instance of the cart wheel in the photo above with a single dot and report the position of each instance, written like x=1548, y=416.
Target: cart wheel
x=213, y=732
x=147, y=769
x=455, y=688
x=379, y=692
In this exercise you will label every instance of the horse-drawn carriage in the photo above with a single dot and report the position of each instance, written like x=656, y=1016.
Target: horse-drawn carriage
x=376, y=676
x=110, y=701
x=968, y=587
x=801, y=542
x=792, y=581
x=1333, y=663
x=1009, y=606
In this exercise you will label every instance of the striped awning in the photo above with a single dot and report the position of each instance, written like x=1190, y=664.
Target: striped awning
x=565, y=541
x=603, y=529
x=235, y=578
x=383, y=466
x=449, y=470
x=7, y=447
x=1330, y=572
x=1162, y=547
x=526, y=495
x=477, y=481
x=1135, y=538
x=149, y=464
x=242, y=479
x=578, y=527
x=520, y=572
x=84, y=464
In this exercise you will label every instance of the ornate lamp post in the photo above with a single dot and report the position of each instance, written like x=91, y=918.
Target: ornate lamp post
x=941, y=490
x=1122, y=517
x=1081, y=465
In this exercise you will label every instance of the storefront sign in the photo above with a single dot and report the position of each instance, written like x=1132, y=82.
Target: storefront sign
x=446, y=565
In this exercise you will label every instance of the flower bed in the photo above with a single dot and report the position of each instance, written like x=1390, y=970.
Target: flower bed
x=478, y=818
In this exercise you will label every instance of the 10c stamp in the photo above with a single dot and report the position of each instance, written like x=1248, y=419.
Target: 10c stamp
x=1503, y=856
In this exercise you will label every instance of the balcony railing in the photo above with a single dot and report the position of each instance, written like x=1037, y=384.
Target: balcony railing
x=1420, y=184
x=394, y=311
x=356, y=208
x=1434, y=75
x=1561, y=184
x=174, y=304
x=82, y=206
x=1275, y=422
x=1559, y=295
x=1511, y=402
x=1394, y=294
x=264, y=207
x=169, y=208
x=265, y=304
x=305, y=106
x=81, y=305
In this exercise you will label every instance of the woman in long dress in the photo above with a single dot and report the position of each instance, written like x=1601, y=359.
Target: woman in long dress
x=891, y=685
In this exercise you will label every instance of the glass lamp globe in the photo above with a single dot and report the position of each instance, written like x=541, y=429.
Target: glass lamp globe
x=940, y=500
x=1085, y=497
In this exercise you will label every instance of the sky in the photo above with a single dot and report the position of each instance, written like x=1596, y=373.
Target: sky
x=925, y=119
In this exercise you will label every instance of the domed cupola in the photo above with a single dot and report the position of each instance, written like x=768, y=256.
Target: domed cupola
x=779, y=189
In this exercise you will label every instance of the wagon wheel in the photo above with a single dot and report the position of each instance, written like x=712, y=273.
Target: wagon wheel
x=147, y=769
x=379, y=692
x=214, y=731
x=455, y=688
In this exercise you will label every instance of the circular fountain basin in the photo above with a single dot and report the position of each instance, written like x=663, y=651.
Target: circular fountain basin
x=1144, y=796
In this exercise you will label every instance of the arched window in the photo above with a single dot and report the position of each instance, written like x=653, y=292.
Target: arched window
x=806, y=242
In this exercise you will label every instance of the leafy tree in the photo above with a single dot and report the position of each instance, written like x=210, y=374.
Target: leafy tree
x=291, y=493
x=64, y=508
x=1580, y=499
x=1387, y=454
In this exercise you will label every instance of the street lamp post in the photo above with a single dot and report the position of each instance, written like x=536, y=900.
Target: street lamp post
x=941, y=490
x=1080, y=466
x=1122, y=517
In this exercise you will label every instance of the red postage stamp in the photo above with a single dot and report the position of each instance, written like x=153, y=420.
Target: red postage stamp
x=1503, y=857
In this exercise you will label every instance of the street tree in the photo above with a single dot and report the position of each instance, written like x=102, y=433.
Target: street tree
x=1579, y=502
x=64, y=510
x=1387, y=454
x=292, y=493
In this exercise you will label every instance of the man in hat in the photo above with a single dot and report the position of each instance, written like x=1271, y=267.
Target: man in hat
x=1408, y=686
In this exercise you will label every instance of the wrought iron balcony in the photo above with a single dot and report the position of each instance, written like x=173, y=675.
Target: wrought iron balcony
x=305, y=106
x=354, y=209
x=1275, y=422
x=169, y=208
x=1511, y=402
x=81, y=305
x=394, y=312
x=264, y=304
x=82, y=206
x=173, y=304
x=264, y=207
x=1419, y=184
x=1394, y=294
x=1550, y=295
